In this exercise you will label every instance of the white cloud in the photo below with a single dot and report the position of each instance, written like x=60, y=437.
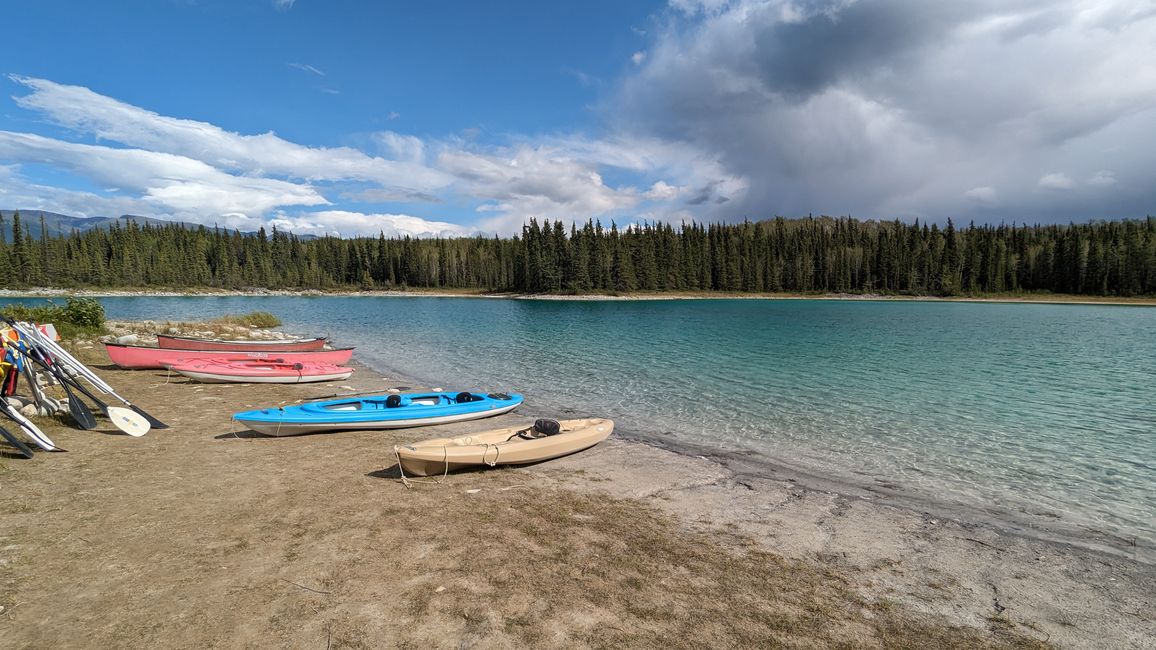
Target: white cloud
x=660, y=191
x=985, y=194
x=83, y=110
x=533, y=182
x=284, y=5
x=638, y=57
x=405, y=148
x=348, y=224
x=170, y=183
x=202, y=173
x=1056, y=181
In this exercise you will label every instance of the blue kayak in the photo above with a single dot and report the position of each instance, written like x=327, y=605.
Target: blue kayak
x=377, y=412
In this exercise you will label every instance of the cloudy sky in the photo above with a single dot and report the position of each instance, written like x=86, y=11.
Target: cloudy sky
x=453, y=118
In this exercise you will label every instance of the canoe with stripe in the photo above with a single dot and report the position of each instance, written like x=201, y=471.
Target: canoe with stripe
x=140, y=357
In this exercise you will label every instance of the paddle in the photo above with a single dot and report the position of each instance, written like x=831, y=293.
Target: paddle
x=33, y=431
x=15, y=442
x=34, y=334
x=7, y=409
x=124, y=419
x=33, y=386
x=78, y=409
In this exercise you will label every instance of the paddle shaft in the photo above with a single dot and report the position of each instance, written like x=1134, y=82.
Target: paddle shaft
x=76, y=407
x=34, y=335
x=33, y=385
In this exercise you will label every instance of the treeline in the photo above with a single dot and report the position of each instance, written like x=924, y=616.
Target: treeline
x=1104, y=258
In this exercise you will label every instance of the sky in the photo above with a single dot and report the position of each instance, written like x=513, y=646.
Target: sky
x=463, y=118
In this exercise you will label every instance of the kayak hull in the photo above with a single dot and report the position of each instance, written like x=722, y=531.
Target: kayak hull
x=140, y=357
x=260, y=372
x=499, y=447
x=169, y=342
x=420, y=409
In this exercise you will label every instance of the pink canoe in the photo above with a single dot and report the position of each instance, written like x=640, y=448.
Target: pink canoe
x=260, y=372
x=286, y=345
x=139, y=357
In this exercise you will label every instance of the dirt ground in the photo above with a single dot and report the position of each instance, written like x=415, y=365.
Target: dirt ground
x=205, y=536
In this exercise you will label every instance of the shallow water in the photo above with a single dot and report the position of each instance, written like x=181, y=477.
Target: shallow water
x=1028, y=410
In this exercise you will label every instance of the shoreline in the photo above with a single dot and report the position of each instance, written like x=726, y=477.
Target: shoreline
x=1005, y=518
x=1049, y=299
x=861, y=527
x=886, y=494
x=221, y=502
x=760, y=466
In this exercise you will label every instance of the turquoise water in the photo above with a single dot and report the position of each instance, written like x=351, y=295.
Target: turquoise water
x=1039, y=413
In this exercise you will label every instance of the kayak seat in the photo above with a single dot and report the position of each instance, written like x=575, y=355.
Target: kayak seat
x=542, y=428
x=547, y=427
x=464, y=397
x=393, y=401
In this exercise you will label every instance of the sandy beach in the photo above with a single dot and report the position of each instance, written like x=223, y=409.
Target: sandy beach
x=206, y=536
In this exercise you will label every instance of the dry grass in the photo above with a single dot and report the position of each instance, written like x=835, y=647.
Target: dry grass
x=255, y=320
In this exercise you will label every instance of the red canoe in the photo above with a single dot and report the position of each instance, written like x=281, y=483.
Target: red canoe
x=139, y=357
x=260, y=372
x=286, y=345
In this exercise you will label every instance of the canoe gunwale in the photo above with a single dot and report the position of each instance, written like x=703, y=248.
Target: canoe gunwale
x=171, y=342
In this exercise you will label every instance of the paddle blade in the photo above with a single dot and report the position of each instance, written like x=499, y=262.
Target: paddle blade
x=155, y=423
x=28, y=427
x=128, y=420
x=80, y=411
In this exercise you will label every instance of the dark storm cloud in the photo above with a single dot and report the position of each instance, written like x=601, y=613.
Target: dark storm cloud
x=806, y=57
x=992, y=110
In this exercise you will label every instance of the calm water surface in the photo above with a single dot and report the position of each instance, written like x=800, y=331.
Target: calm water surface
x=1044, y=411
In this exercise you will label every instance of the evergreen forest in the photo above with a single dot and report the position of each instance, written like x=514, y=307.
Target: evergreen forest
x=823, y=254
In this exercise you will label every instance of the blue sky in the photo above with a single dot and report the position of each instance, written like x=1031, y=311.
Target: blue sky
x=455, y=118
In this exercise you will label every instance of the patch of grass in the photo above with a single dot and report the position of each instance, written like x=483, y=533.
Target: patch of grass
x=255, y=319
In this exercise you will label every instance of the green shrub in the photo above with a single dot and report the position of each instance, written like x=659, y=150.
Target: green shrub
x=78, y=317
x=84, y=312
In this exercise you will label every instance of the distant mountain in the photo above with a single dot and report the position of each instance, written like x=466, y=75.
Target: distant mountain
x=62, y=224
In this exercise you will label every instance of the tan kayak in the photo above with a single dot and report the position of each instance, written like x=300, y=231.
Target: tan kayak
x=500, y=447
